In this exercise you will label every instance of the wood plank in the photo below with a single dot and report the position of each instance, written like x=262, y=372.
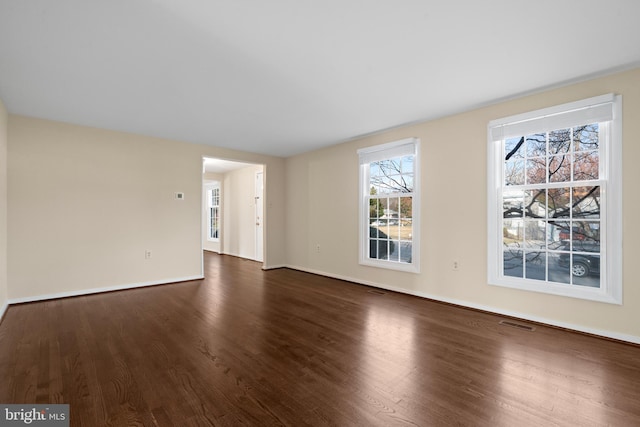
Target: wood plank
x=283, y=347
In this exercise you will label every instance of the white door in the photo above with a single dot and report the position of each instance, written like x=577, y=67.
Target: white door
x=259, y=216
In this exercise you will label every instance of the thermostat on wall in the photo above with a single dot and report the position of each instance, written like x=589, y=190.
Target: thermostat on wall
x=179, y=196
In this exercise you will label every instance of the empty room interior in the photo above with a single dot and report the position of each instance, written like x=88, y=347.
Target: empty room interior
x=411, y=213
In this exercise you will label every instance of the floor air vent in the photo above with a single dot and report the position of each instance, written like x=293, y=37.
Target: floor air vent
x=517, y=325
x=374, y=291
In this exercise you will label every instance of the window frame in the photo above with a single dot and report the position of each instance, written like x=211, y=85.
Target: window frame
x=368, y=155
x=610, y=182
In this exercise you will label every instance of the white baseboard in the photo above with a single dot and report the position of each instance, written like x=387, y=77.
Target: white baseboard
x=232, y=254
x=99, y=290
x=273, y=267
x=603, y=333
x=236, y=255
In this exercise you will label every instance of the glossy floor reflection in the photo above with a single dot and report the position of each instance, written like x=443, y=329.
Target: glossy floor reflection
x=283, y=347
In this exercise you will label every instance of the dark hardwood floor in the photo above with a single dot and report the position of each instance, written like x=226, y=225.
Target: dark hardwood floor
x=282, y=347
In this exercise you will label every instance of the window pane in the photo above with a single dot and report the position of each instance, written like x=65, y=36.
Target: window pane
x=586, y=202
x=559, y=202
x=512, y=262
x=586, y=270
x=383, y=228
x=212, y=223
x=406, y=218
x=406, y=254
x=378, y=244
x=586, y=166
x=536, y=145
x=512, y=203
x=373, y=229
x=586, y=138
x=558, y=235
x=559, y=267
x=560, y=168
x=585, y=236
x=513, y=238
x=376, y=209
x=535, y=203
x=378, y=248
x=215, y=197
x=394, y=251
x=535, y=235
x=514, y=172
x=536, y=265
x=383, y=223
x=560, y=141
x=513, y=232
x=514, y=148
x=392, y=217
x=214, y=226
x=536, y=171
x=406, y=207
x=385, y=247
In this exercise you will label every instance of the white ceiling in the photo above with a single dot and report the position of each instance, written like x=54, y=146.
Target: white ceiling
x=288, y=76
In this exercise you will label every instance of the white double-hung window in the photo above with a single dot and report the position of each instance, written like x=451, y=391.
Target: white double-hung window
x=554, y=200
x=389, y=205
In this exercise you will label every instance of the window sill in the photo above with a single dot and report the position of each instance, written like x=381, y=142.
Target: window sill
x=389, y=265
x=572, y=291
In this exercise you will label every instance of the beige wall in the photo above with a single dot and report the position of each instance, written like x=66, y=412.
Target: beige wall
x=322, y=196
x=239, y=238
x=84, y=204
x=3, y=208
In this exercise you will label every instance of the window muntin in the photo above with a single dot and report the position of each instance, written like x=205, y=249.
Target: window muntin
x=551, y=216
x=555, y=199
x=389, y=175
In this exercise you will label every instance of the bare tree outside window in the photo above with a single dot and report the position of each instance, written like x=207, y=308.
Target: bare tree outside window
x=391, y=184
x=551, y=219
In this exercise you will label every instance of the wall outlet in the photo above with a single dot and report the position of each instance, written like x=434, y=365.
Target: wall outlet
x=318, y=247
x=147, y=254
x=455, y=266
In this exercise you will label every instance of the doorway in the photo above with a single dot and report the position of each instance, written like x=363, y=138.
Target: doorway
x=240, y=221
